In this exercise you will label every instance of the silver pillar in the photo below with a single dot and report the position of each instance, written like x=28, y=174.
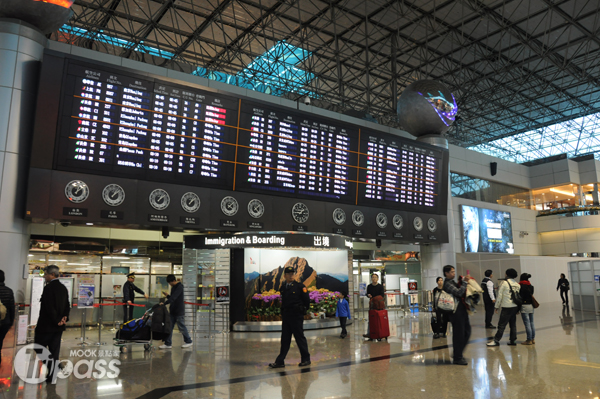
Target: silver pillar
x=435, y=256
x=21, y=50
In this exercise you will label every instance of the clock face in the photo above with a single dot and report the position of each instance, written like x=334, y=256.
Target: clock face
x=339, y=216
x=300, y=212
x=190, y=202
x=77, y=191
x=229, y=206
x=432, y=225
x=418, y=223
x=382, y=220
x=398, y=222
x=358, y=218
x=113, y=195
x=159, y=199
x=256, y=208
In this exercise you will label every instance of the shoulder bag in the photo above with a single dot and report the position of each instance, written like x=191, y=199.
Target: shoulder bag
x=515, y=295
x=446, y=303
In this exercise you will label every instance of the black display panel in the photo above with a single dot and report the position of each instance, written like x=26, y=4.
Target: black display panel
x=133, y=127
x=114, y=122
x=294, y=154
x=400, y=173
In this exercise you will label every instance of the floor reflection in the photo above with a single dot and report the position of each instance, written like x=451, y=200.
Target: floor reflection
x=565, y=362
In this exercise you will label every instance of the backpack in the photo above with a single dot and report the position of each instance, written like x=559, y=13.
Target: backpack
x=445, y=302
x=2, y=311
x=515, y=295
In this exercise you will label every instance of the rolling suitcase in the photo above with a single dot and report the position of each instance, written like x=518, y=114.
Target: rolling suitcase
x=379, y=326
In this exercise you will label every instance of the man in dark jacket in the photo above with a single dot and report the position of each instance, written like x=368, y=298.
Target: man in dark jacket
x=489, y=298
x=461, y=327
x=177, y=311
x=8, y=300
x=294, y=303
x=54, y=314
x=129, y=290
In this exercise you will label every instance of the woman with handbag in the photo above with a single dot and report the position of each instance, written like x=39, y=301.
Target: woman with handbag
x=441, y=320
x=527, y=308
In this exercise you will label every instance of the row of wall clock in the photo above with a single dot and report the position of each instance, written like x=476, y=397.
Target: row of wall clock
x=358, y=219
x=78, y=191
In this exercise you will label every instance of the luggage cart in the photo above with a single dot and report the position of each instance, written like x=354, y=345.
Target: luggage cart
x=142, y=337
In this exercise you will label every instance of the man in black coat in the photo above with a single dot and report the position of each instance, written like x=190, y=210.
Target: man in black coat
x=129, y=290
x=294, y=303
x=54, y=314
x=461, y=327
x=177, y=311
x=8, y=300
x=489, y=298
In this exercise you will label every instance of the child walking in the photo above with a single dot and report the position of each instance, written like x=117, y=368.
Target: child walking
x=343, y=312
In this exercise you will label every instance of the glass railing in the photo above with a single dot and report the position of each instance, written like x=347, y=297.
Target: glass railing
x=582, y=210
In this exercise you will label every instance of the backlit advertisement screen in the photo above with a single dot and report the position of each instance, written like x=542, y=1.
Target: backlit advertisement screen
x=486, y=230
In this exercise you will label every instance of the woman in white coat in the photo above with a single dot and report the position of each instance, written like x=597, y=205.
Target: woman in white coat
x=509, y=309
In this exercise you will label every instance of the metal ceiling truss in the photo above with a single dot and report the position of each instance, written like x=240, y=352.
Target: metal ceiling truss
x=514, y=66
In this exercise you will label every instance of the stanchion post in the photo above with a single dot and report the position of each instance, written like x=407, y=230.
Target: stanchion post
x=83, y=323
x=100, y=312
x=194, y=318
x=114, y=317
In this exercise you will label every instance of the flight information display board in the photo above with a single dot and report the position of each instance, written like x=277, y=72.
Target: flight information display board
x=115, y=123
x=290, y=153
x=145, y=129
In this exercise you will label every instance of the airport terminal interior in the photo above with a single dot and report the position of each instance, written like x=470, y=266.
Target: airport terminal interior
x=277, y=168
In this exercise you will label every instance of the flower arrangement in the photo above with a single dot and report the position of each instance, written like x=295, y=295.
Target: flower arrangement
x=270, y=296
x=322, y=300
x=266, y=306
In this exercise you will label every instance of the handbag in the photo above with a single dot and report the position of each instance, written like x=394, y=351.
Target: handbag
x=515, y=296
x=534, y=302
x=446, y=303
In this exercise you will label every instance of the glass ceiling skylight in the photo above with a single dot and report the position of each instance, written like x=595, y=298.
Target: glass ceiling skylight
x=273, y=72
x=576, y=137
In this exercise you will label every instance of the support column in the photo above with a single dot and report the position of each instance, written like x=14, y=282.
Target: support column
x=435, y=256
x=21, y=50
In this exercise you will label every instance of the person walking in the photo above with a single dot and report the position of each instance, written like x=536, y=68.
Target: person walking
x=374, y=289
x=441, y=318
x=461, y=327
x=509, y=309
x=52, y=321
x=177, y=312
x=129, y=290
x=8, y=300
x=343, y=312
x=527, y=308
x=563, y=285
x=294, y=303
x=489, y=299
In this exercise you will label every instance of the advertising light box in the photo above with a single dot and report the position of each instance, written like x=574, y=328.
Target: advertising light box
x=486, y=230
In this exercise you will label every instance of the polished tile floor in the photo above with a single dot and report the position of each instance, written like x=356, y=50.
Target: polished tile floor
x=564, y=363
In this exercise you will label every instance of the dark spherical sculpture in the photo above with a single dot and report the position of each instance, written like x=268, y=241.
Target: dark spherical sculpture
x=46, y=15
x=426, y=107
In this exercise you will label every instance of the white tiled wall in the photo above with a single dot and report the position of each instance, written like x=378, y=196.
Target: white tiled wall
x=475, y=164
